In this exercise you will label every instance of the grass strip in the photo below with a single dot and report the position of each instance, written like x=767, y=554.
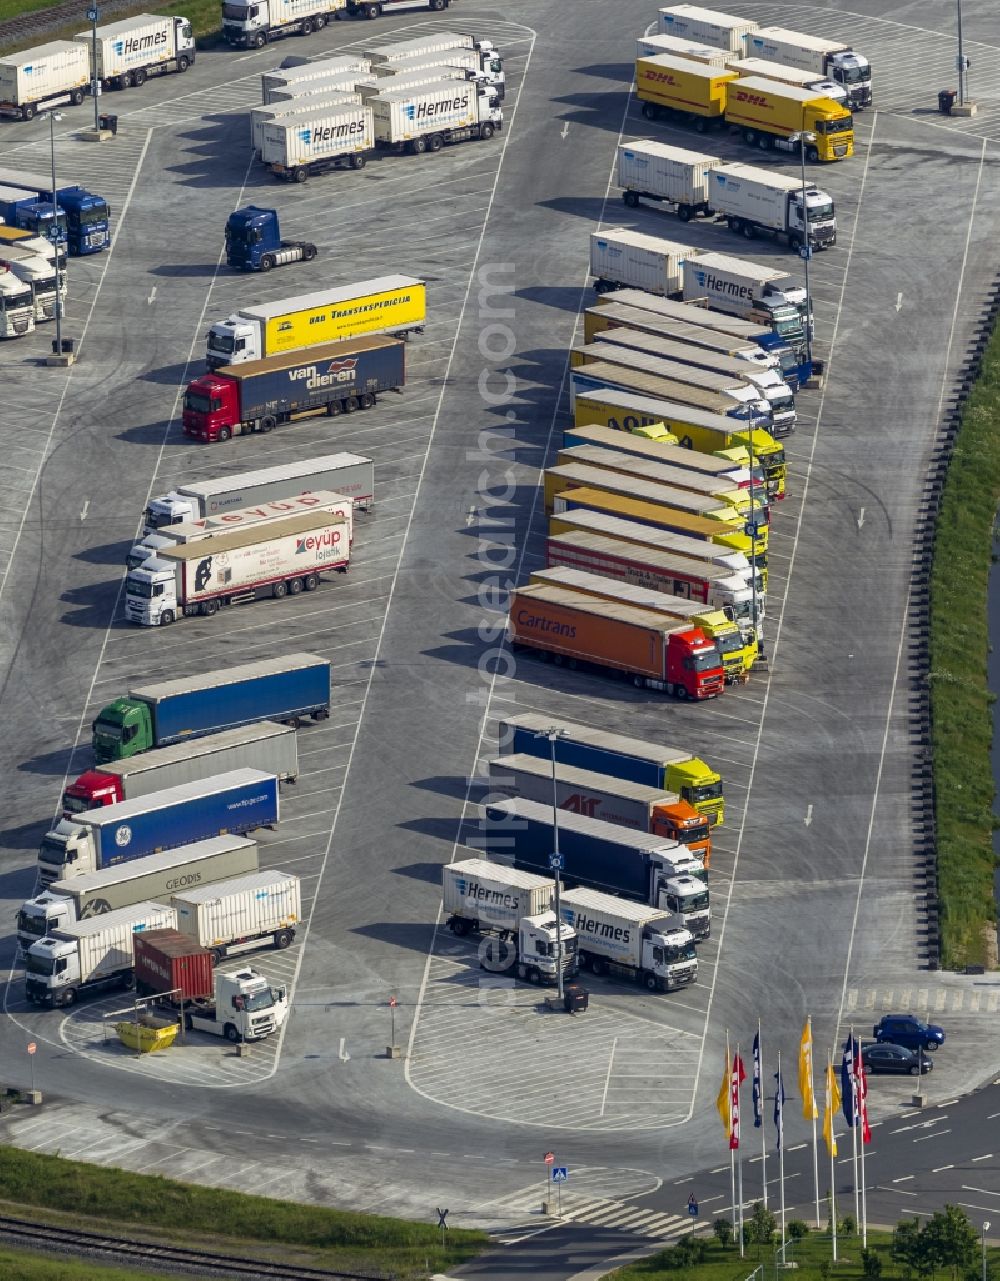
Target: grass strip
x=961, y=703
x=114, y=1200
x=205, y=17
x=25, y=1265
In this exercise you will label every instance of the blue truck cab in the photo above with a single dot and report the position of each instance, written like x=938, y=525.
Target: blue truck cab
x=84, y=220
x=253, y=241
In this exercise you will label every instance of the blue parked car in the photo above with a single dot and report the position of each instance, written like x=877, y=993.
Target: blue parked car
x=909, y=1031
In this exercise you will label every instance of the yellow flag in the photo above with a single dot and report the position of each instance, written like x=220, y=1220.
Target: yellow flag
x=724, y=1099
x=809, y=1109
x=832, y=1108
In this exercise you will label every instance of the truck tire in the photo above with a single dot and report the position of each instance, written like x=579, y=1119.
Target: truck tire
x=208, y=608
x=812, y=155
x=28, y=111
x=334, y=408
x=76, y=97
x=486, y=131
x=260, y=40
x=372, y=10
x=310, y=583
x=366, y=400
x=139, y=77
x=418, y=146
x=522, y=972
x=684, y=213
x=350, y=404
x=268, y=423
x=188, y=1023
x=308, y=253
x=650, y=111
x=231, y=1033
x=749, y=231
x=681, y=692
x=267, y=260
x=127, y=981
x=435, y=142
x=166, y=618
x=319, y=21
x=125, y=80
x=307, y=26
x=700, y=124
x=283, y=939
x=652, y=983
x=764, y=142
x=295, y=586
x=225, y=434
x=299, y=175
x=358, y=160
x=438, y=5
x=630, y=199
x=459, y=926
x=183, y=63
x=279, y=591
x=735, y=225
x=597, y=966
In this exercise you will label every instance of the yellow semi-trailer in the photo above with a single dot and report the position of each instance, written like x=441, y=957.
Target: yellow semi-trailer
x=769, y=114
x=383, y=305
x=669, y=86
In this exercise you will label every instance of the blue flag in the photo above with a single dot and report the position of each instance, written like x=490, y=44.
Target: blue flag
x=779, y=1104
x=756, y=1082
x=847, y=1080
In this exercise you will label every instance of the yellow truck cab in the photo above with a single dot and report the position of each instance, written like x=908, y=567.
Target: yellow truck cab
x=769, y=113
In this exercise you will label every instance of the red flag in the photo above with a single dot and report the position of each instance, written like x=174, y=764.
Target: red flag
x=861, y=1089
x=736, y=1080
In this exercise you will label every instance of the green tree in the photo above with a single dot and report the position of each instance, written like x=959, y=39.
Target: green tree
x=796, y=1229
x=949, y=1240
x=871, y=1265
x=762, y=1225
x=723, y=1230
x=909, y=1249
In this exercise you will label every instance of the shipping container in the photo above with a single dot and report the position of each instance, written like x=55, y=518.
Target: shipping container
x=45, y=76
x=169, y=963
x=660, y=172
x=300, y=71
x=311, y=93
x=493, y=893
x=264, y=907
x=668, y=86
x=628, y=940
x=623, y=258
x=302, y=145
x=649, y=46
x=130, y=50
x=692, y=22
x=294, y=110
x=447, y=110
x=788, y=76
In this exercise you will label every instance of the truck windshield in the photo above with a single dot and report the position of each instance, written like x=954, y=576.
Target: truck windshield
x=678, y=952
x=12, y=301
x=688, y=835
x=775, y=459
x=199, y=404
x=789, y=326
x=156, y=518
x=496, y=66
x=76, y=804
x=820, y=212
x=728, y=642
x=52, y=851
x=781, y=402
x=707, y=792
x=238, y=12
x=703, y=662
x=693, y=902
x=39, y=964
x=841, y=124
x=142, y=588
x=221, y=342
x=254, y=1002
x=95, y=214
x=31, y=924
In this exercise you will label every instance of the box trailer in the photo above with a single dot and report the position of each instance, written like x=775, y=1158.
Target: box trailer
x=38, y=272
x=301, y=71
x=250, y=24
x=179, y=711
x=622, y=258
x=265, y=746
x=673, y=88
x=789, y=76
x=428, y=117
x=245, y=911
x=301, y=147
x=602, y=857
x=238, y=801
x=155, y=877
x=412, y=80
x=651, y=651
x=741, y=286
x=443, y=43
x=168, y=963
x=387, y=73
x=131, y=50
x=630, y=940
x=338, y=377
x=314, y=91
x=586, y=747
x=612, y=800
x=711, y=55
x=295, y=109
x=671, y=176
x=279, y=559
x=731, y=399
x=383, y=305
x=692, y=22
x=352, y=475
x=513, y=908
x=816, y=54
x=91, y=954
x=46, y=76
x=753, y=200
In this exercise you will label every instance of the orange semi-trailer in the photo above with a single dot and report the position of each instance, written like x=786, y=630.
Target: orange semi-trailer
x=634, y=643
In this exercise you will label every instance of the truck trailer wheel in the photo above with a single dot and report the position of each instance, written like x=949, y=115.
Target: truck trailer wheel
x=76, y=97
x=630, y=199
x=319, y=21
x=268, y=423
x=299, y=175
x=209, y=607
x=139, y=77
x=334, y=408
x=459, y=926
x=435, y=142
x=279, y=591
x=283, y=939
x=597, y=966
x=438, y=5
x=764, y=142
x=684, y=213
x=125, y=80
x=28, y=111
x=358, y=160
x=307, y=26
x=372, y=10
x=310, y=583
x=366, y=400
x=350, y=404
x=232, y=1034
x=295, y=586
x=418, y=146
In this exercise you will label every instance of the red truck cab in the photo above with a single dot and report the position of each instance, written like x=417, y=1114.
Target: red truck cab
x=694, y=668
x=211, y=408
x=91, y=791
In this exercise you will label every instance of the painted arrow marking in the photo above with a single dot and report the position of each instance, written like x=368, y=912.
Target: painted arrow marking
x=152, y=296
x=861, y=518
x=470, y=517
x=86, y=508
x=809, y=815
x=565, y=130
x=344, y=1056
x=899, y=301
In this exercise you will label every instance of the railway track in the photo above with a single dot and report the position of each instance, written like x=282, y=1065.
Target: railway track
x=159, y=1257
x=23, y=29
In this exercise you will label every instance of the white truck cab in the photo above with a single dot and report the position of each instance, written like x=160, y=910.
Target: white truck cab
x=66, y=850
x=17, y=306
x=146, y=549
x=150, y=591
x=538, y=948
x=670, y=956
x=168, y=509
x=231, y=341
x=245, y=1007
x=687, y=897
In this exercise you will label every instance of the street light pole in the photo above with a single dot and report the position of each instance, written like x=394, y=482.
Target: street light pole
x=552, y=735
x=92, y=14
x=986, y=1228
x=806, y=247
x=961, y=58
x=53, y=117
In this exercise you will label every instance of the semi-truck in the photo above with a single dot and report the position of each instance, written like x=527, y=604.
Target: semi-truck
x=442, y=43
x=817, y=54
x=429, y=117
x=258, y=396
x=299, y=147
x=254, y=243
x=753, y=200
x=295, y=109
x=265, y=745
x=239, y=1005
x=781, y=331
x=47, y=76
x=628, y=259
x=744, y=288
x=634, y=644
x=386, y=305
x=729, y=399
x=692, y=22
x=707, y=433
x=586, y=747
x=670, y=176
x=83, y=217
x=289, y=689
x=248, y=911
x=601, y=856
x=514, y=908
x=130, y=51
x=277, y=559
x=612, y=800
x=630, y=940
x=250, y=24
x=295, y=71
x=789, y=76
x=94, y=840
x=737, y=654
x=352, y=475
x=709, y=592
x=90, y=955
x=324, y=500
x=155, y=877
x=17, y=307
x=39, y=273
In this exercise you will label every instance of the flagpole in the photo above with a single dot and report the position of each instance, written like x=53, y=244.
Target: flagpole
x=854, y=1136
x=732, y=1154
x=833, y=1144
x=812, y=1092
x=781, y=1161
x=763, y=1132
x=863, y=1100
x=739, y=1150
